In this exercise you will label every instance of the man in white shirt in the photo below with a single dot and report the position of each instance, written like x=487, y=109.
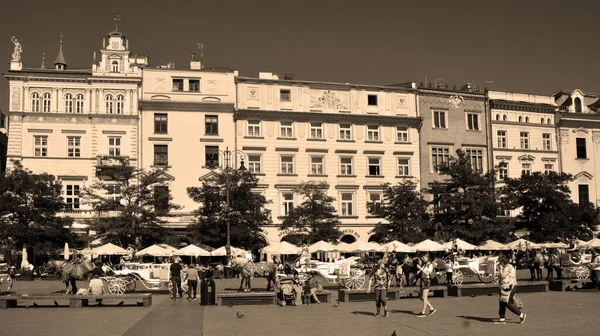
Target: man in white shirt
x=96, y=288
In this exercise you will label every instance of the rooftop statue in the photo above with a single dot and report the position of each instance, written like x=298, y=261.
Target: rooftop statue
x=16, y=56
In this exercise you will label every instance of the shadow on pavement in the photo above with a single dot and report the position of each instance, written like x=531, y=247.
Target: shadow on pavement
x=407, y=312
x=477, y=318
x=363, y=313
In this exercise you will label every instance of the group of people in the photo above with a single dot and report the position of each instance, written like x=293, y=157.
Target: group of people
x=191, y=274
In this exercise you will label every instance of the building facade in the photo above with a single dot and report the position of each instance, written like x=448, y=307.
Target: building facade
x=354, y=137
x=3, y=142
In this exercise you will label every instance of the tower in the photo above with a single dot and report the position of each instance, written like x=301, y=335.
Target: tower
x=60, y=63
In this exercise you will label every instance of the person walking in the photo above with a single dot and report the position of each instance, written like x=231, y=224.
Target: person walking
x=552, y=259
x=192, y=281
x=272, y=274
x=539, y=261
x=382, y=279
x=175, y=270
x=425, y=271
x=507, y=289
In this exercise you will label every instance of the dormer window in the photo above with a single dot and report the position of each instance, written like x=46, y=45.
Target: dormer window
x=578, y=105
x=114, y=66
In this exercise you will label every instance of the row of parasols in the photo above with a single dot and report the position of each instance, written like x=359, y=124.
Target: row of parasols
x=161, y=250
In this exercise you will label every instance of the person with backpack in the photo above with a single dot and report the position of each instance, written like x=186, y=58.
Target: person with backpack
x=507, y=290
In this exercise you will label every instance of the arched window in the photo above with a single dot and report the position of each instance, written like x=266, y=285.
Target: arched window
x=69, y=103
x=526, y=119
x=577, y=105
x=79, y=103
x=542, y=121
x=109, y=104
x=120, y=104
x=520, y=119
x=35, y=102
x=497, y=117
x=549, y=121
x=115, y=66
x=46, y=102
x=504, y=117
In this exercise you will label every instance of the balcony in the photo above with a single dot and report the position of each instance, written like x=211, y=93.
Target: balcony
x=86, y=214
x=111, y=168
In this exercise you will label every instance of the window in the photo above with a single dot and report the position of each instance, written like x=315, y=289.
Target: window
x=161, y=199
x=476, y=157
x=502, y=139
x=345, y=132
x=72, y=196
x=161, y=155
x=316, y=130
x=520, y=119
x=374, y=166
x=439, y=119
x=372, y=133
x=346, y=166
x=577, y=105
x=286, y=129
x=254, y=128
x=211, y=156
x=79, y=103
x=285, y=95
x=46, y=102
x=584, y=193
x=503, y=170
x=504, y=117
x=160, y=123
x=347, y=204
x=526, y=168
x=211, y=125
x=401, y=134
x=374, y=203
x=497, y=117
x=109, y=103
x=40, y=145
x=113, y=193
x=524, y=136
x=194, y=85
x=548, y=167
x=177, y=84
x=549, y=121
x=316, y=165
x=372, y=100
x=254, y=164
x=403, y=167
x=542, y=121
x=473, y=121
x=114, y=66
x=35, y=102
x=581, y=148
x=114, y=146
x=439, y=156
x=526, y=119
x=287, y=165
x=120, y=104
x=69, y=103
x=287, y=203
x=546, y=141
x=74, y=146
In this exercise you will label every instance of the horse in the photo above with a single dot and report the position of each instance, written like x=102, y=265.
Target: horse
x=245, y=268
x=70, y=270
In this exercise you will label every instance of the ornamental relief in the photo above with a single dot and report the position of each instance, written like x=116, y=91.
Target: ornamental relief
x=387, y=133
x=331, y=131
x=564, y=136
x=596, y=138
x=15, y=99
x=77, y=120
x=359, y=131
x=301, y=130
x=581, y=131
x=401, y=101
x=331, y=100
x=456, y=103
x=270, y=128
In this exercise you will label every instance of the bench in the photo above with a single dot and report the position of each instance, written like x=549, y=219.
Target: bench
x=477, y=289
x=324, y=296
x=414, y=291
x=75, y=301
x=569, y=285
x=245, y=298
x=361, y=295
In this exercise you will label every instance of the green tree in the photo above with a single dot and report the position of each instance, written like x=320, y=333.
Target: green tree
x=131, y=204
x=246, y=212
x=405, y=211
x=315, y=218
x=29, y=207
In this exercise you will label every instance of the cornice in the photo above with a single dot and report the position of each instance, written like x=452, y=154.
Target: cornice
x=447, y=94
x=522, y=106
x=185, y=106
x=324, y=85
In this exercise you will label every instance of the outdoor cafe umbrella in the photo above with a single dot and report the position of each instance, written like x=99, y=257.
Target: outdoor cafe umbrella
x=321, y=246
x=168, y=247
x=553, y=245
x=461, y=244
x=154, y=251
x=192, y=251
x=521, y=244
x=361, y=246
x=491, y=245
x=395, y=246
x=592, y=243
x=66, y=251
x=342, y=247
x=222, y=252
x=428, y=245
x=24, y=262
x=282, y=248
x=109, y=249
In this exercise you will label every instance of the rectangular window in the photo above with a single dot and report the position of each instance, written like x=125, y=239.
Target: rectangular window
x=254, y=164
x=439, y=156
x=547, y=141
x=161, y=155
x=584, y=193
x=72, y=196
x=194, y=85
x=74, y=146
x=502, y=171
x=211, y=156
x=286, y=129
x=345, y=132
x=372, y=100
x=476, y=157
x=287, y=165
x=40, y=145
x=285, y=95
x=502, y=139
x=288, y=203
x=548, y=167
x=346, y=166
x=113, y=192
x=374, y=166
x=347, y=204
x=160, y=123
x=316, y=130
x=401, y=134
x=317, y=165
x=439, y=119
x=374, y=203
x=211, y=125
x=473, y=121
x=372, y=133
x=403, y=167
x=114, y=146
x=581, y=148
x=177, y=84
x=253, y=128
x=526, y=168
x=161, y=199
x=524, y=136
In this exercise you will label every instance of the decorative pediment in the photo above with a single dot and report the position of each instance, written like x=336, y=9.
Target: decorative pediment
x=164, y=177
x=583, y=176
x=210, y=177
x=503, y=158
x=115, y=57
x=581, y=131
x=526, y=157
x=549, y=159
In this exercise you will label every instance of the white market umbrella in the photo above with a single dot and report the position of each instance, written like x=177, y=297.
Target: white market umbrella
x=154, y=251
x=109, y=249
x=222, y=252
x=359, y=246
x=66, y=251
x=168, y=247
x=321, y=246
x=24, y=262
x=192, y=251
x=461, y=244
x=491, y=245
x=342, y=247
x=553, y=245
x=592, y=243
x=521, y=244
x=428, y=245
x=282, y=248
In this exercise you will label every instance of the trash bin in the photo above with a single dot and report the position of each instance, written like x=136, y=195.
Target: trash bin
x=208, y=292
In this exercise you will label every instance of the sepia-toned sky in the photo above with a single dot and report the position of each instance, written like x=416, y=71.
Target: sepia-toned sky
x=536, y=46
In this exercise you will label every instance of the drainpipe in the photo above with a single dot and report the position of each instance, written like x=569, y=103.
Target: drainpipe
x=489, y=129
x=235, y=108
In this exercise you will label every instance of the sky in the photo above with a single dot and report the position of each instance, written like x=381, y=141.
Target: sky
x=535, y=46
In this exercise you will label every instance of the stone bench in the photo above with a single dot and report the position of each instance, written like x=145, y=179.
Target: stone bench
x=75, y=301
x=569, y=285
x=246, y=298
x=414, y=291
x=478, y=289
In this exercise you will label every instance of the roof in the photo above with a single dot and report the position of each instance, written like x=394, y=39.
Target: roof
x=522, y=106
x=60, y=58
x=403, y=86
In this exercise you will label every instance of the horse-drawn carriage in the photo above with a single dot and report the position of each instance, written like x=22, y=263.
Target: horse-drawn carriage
x=486, y=269
x=345, y=272
x=151, y=276
x=6, y=281
x=579, y=269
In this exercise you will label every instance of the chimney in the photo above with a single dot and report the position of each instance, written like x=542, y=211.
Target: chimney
x=265, y=75
x=195, y=65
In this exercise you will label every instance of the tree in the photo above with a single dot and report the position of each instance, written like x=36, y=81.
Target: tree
x=315, y=218
x=130, y=203
x=29, y=206
x=405, y=211
x=246, y=212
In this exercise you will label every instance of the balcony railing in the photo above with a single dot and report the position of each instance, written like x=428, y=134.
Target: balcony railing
x=86, y=214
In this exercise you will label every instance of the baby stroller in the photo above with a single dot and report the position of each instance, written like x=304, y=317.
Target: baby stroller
x=287, y=293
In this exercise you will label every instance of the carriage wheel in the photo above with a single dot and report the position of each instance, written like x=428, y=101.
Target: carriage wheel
x=457, y=277
x=356, y=280
x=117, y=286
x=131, y=283
x=6, y=283
x=582, y=273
